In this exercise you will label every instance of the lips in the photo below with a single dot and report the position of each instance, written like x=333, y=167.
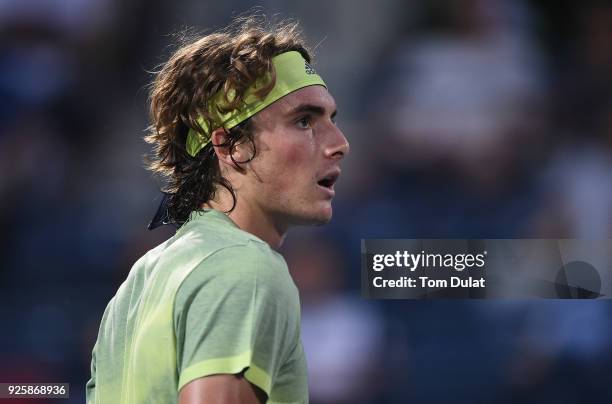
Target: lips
x=329, y=179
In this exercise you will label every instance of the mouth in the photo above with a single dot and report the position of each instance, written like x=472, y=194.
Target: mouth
x=328, y=181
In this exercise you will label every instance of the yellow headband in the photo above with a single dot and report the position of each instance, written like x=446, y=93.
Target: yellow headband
x=292, y=73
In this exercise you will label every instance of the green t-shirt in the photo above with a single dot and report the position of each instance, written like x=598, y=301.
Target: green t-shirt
x=212, y=299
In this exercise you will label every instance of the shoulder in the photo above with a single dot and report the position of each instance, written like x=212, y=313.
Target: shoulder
x=248, y=264
x=212, y=244
x=246, y=278
x=250, y=268
x=212, y=236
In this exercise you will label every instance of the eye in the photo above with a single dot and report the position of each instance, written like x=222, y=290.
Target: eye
x=304, y=122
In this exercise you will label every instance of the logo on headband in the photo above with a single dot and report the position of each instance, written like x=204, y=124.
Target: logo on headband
x=308, y=68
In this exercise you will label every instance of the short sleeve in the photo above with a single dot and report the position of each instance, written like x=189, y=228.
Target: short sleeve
x=90, y=387
x=236, y=312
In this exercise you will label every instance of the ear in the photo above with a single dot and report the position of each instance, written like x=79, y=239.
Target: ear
x=236, y=155
x=219, y=140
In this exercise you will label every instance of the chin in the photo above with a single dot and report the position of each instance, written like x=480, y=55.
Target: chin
x=322, y=216
x=314, y=218
x=317, y=213
x=322, y=220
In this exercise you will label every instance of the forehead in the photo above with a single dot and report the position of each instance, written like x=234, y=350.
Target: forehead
x=312, y=95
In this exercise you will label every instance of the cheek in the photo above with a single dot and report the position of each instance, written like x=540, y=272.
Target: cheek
x=285, y=163
x=292, y=166
x=293, y=155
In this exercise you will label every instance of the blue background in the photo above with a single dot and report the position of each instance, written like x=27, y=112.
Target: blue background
x=467, y=119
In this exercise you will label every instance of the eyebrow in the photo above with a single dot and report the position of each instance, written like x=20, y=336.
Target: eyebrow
x=312, y=109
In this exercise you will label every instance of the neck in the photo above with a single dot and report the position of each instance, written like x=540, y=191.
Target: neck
x=259, y=225
x=250, y=219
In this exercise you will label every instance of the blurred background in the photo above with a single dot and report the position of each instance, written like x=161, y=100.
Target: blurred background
x=467, y=119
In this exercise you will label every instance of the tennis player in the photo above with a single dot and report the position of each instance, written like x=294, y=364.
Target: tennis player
x=243, y=130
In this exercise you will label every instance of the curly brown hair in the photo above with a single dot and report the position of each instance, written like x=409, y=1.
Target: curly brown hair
x=229, y=59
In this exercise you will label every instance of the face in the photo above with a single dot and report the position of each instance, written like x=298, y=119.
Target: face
x=299, y=149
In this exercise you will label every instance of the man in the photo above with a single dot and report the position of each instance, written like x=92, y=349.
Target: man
x=243, y=129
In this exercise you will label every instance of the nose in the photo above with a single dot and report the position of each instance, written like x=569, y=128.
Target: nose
x=338, y=146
